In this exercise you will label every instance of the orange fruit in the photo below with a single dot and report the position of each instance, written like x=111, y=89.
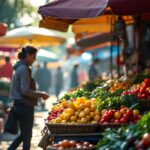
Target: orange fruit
x=93, y=107
x=88, y=103
x=71, y=105
x=81, y=106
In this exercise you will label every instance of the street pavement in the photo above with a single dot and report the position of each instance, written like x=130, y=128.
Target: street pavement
x=39, y=124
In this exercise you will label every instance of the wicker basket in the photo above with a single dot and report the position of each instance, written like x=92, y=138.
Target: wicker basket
x=72, y=128
x=88, y=148
x=144, y=105
x=111, y=125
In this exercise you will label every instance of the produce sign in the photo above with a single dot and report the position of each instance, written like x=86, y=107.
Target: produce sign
x=131, y=137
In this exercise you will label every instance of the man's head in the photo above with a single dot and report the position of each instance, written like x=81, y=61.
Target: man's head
x=7, y=59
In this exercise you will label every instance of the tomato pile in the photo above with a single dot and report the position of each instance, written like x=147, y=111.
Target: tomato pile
x=141, y=90
x=124, y=115
x=67, y=144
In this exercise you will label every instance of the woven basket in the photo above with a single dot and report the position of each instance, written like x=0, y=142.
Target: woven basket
x=72, y=128
x=144, y=105
x=88, y=148
x=111, y=125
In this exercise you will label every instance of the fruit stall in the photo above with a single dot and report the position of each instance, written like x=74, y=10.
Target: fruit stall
x=112, y=114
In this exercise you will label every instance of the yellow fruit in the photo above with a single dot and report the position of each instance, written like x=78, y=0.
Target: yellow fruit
x=93, y=107
x=64, y=121
x=93, y=101
x=78, y=121
x=73, y=118
x=88, y=117
x=77, y=113
x=87, y=111
x=92, y=114
x=70, y=111
x=97, y=118
x=81, y=106
x=84, y=120
x=58, y=120
x=88, y=103
x=93, y=122
x=71, y=105
x=66, y=116
x=82, y=114
x=97, y=112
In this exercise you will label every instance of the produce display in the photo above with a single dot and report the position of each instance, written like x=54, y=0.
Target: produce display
x=142, y=90
x=109, y=102
x=130, y=137
x=71, y=144
x=123, y=115
x=80, y=110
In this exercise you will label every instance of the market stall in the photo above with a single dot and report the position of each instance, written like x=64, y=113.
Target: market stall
x=83, y=114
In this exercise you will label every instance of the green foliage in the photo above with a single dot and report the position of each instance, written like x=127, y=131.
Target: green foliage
x=108, y=100
x=11, y=10
x=77, y=93
x=139, y=78
x=91, y=85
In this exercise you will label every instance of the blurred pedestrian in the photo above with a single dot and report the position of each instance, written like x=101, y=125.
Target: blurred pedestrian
x=24, y=95
x=58, y=81
x=6, y=70
x=43, y=78
x=74, y=77
x=93, y=72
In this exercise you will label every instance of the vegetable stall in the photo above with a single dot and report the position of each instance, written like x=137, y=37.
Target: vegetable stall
x=101, y=114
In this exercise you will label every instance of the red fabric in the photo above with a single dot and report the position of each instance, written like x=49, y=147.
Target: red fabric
x=130, y=7
x=6, y=71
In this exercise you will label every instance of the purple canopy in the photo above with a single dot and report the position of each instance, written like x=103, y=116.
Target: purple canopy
x=130, y=7
x=74, y=9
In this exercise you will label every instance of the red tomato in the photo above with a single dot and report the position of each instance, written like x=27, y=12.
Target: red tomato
x=146, y=139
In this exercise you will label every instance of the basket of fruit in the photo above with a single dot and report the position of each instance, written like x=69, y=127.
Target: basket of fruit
x=111, y=125
x=72, y=128
x=72, y=145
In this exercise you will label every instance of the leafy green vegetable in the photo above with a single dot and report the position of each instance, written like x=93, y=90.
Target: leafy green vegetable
x=78, y=93
x=139, y=78
x=123, y=137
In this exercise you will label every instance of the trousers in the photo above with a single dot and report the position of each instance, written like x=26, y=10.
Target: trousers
x=25, y=116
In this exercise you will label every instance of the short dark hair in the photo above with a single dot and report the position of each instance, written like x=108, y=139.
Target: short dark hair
x=26, y=50
x=7, y=59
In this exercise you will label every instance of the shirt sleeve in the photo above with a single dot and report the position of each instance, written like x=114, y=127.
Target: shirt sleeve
x=25, y=84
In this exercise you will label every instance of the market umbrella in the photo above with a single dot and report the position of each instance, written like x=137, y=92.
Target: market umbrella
x=35, y=36
x=130, y=7
x=73, y=9
x=46, y=56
